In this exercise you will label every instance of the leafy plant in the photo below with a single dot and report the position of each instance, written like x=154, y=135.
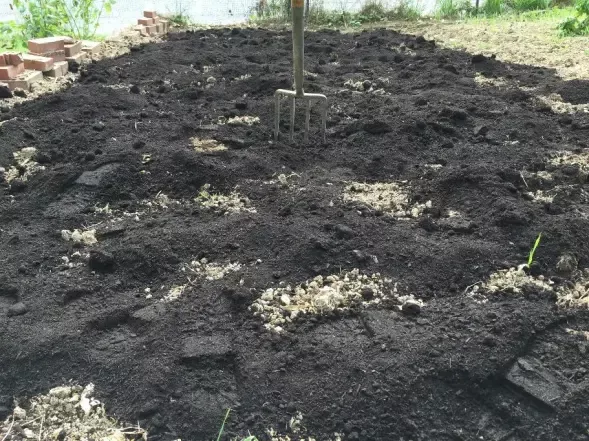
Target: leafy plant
x=45, y=18
x=493, y=7
x=84, y=16
x=179, y=17
x=528, y=5
x=12, y=36
x=371, y=11
x=578, y=25
x=533, y=250
x=453, y=8
x=406, y=10
x=40, y=18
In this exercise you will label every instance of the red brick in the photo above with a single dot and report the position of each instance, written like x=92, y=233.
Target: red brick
x=37, y=62
x=56, y=55
x=73, y=49
x=25, y=79
x=156, y=20
x=159, y=28
x=152, y=30
x=59, y=70
x=44, y=45
x=149, y=14
x=91, y=47
x=142, y=30
x=3, y=60
x=11, y=72
x=76, y=58
x=166, y=24
x=145, y=21
x=14, y=59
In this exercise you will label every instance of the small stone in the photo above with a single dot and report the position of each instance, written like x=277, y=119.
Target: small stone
x=98, y=126
x=134, y=89
x=5, y=91
x=138, y=144
x=481, y=130
x=211, y=80
x=344, y=232
x=163, y=88
x=20, y=92
x=366, y=84
x=285, y=299
x=411, y=307
x=17, y=309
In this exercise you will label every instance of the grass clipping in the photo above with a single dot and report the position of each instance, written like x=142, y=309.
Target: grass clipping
x=511, y=281
x=207, y=145
x=84, y=237
x=25, y=167
x=574, y=294
x=224, y=204
x=283, y=305
x=390, y=198
x=201, y=270
x=65, y=413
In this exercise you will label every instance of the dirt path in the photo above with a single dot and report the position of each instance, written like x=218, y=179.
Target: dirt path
x=163, y=157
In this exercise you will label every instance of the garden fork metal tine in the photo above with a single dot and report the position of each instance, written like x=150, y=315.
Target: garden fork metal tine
x=298, y=38
x=293, y=106
x=307, y=120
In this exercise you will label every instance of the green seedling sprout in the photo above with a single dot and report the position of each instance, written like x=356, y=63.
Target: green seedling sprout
x=223, y=425
x=533, y=250
x=222, y=429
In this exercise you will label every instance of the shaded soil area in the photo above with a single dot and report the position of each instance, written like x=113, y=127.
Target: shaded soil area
x=503, y=370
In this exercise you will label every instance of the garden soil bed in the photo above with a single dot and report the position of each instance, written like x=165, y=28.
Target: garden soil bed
x=461, y=369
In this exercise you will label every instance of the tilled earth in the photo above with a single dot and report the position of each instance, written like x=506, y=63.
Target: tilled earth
x=158, y=312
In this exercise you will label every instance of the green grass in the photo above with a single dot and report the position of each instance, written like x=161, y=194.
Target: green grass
x=552, y=14
x=493, y=7
x=578, y=24
x=528, y=5
x=179, y=19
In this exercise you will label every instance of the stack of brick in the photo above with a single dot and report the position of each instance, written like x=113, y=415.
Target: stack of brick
x=54, y=55
x=151, y=24
x=14, y=73
x=90, y=48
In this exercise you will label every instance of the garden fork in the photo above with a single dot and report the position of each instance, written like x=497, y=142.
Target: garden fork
x=298, y=39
